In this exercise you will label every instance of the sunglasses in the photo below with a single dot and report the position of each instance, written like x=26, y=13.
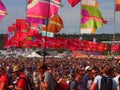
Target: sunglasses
x=94, y=72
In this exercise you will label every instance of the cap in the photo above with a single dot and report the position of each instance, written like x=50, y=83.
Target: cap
x=88, y=68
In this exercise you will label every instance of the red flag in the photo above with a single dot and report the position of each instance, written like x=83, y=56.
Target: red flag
x=100, y=47
x=117, y=5
x=6, y=41
x=114, y=48
x=73, y=2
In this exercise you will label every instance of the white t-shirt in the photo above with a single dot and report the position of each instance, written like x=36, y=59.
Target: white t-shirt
x=116, y=80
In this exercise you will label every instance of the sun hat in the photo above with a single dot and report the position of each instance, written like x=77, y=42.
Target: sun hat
x=87, y=68
x=16, y=68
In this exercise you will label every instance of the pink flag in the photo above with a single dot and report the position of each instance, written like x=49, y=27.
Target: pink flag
x=2, y=10
x=39, y=10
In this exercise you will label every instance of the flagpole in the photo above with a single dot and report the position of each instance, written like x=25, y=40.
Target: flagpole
x=47, y=21
x=114, y=22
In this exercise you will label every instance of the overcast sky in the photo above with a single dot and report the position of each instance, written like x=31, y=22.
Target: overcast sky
x=70, y=16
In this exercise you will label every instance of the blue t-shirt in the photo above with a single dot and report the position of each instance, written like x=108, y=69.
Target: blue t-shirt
x=74, y=85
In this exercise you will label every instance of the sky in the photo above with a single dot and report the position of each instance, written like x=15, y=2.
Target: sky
x=70, y=16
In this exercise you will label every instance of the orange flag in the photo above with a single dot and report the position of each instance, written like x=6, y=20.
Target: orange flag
x=117, y=5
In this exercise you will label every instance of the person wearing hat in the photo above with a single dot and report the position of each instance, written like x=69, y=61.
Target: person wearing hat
x=21, y=78
x=3, y=79
x=86, y=77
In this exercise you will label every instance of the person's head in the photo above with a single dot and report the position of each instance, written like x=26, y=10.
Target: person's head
x=108, y=70
x=94, y=71
x=42, y=67
x=17, y=69
x=117, y=71
x=88, y=70
x=79, y=75
x=2, y=70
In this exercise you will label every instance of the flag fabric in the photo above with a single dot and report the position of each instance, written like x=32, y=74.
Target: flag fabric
x=117, y=5
x=92, y=18
x=39, y=10
x=114, y=48
x=33, y=36
x=55, y=25
x=2, y=10
x=73, y=2
x=6, y=41
x=22, y=28
x=13, y=35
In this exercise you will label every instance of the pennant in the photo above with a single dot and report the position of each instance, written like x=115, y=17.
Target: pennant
x=92, y=18
x=73, y=2
x=39, y=10
x=117, y=5
x=2, y=10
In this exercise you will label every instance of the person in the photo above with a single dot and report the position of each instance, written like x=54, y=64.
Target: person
x=117, y=78
x=94, y=73
x=21, y=79
x=77, y=84
x=47, y=81
x=98, y=83
x=86, y=77
x=36, y=81
x=3, y=79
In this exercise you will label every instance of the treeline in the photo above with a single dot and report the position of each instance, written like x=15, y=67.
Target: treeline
x=99, y=37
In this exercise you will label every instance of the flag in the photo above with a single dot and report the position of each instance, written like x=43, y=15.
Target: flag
x=6, y=41
x=55, y=25
x=73, y=2
x=114, y=47
x=92, y=18
x=117, y=5
x=2, y=10
x=12, y=35
x=39, y=10
x=22, y=28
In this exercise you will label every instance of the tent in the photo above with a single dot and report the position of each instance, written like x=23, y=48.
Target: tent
x=34, y=54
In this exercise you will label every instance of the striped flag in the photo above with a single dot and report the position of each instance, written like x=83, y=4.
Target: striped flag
x=2, y=10
x=39, y=10
x=117, y=5
x=92, y=18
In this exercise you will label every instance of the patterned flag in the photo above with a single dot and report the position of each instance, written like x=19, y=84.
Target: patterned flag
x=55, y=25
x=92, y=18
x=2, y=10
x=73, y=2
x=39, y=10
x=117, y=5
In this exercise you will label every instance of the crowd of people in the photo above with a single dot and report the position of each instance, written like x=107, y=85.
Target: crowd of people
x=59, y=74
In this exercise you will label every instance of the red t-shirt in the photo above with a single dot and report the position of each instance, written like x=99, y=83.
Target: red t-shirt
x=3, y=78
x=22, y=82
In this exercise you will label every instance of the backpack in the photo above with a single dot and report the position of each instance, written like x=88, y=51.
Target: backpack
x=106, y=83
x=75, y=83
x=29, y=83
